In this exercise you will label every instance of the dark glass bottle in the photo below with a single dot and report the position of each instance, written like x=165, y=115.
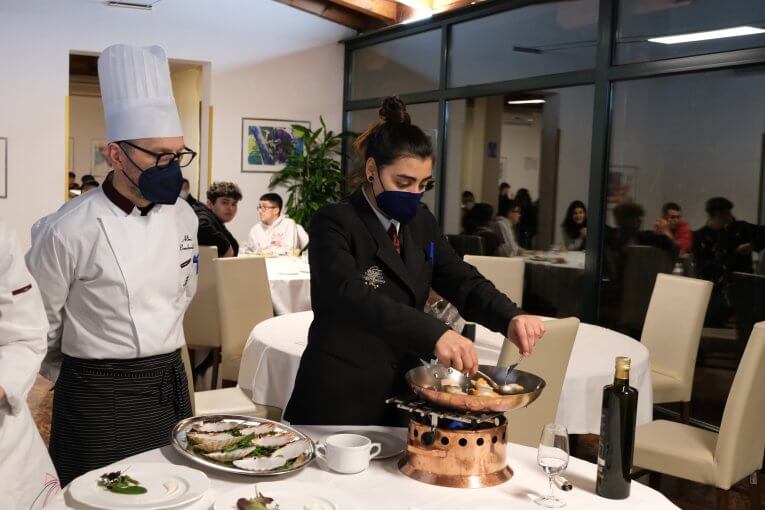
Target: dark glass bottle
x=617, y=434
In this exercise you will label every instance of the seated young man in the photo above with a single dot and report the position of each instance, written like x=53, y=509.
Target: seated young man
x=274, y=234
x=222, y=202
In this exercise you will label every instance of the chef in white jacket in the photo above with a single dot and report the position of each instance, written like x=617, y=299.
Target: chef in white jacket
x=27, y=476
x=274, y=234
x=117, y=269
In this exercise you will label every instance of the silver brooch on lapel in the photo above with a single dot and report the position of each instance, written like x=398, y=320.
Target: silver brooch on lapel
x=374, y=277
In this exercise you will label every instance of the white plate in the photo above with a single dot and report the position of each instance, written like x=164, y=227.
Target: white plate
x=291, y=496
x=190, y=485
x=392, y=445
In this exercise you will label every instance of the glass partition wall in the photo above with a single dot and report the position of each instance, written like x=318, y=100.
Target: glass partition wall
x=631, y=134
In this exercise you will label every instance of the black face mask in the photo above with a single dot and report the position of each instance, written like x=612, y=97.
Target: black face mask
x=160, y=185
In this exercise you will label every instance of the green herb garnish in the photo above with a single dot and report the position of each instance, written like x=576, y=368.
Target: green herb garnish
x=243, y=443
x=121, y=484
x=260, y=502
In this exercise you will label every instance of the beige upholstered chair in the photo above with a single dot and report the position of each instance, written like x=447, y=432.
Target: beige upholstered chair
x=549, y=361
x=201, y=324
x=244, y=297
x=709, y=458
x=505, y=273
x=233, y=400
x=671, y=332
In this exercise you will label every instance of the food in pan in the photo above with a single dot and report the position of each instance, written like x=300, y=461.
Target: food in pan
x=512, y=388
x=482, y=388
x=250, y=446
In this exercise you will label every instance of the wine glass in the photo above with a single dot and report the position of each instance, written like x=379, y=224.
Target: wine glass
x=552, y=457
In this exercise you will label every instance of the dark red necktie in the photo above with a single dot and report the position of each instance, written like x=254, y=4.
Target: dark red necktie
x=394, y=237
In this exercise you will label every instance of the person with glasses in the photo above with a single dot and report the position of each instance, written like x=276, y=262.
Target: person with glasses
x=275, y=234
x=508, y=217
x=671, y=224
x=222, y=204
x=117, y=268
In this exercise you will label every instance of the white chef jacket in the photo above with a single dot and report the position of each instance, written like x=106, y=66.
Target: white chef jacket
x=279, y=238
x=28, y=477
x=115, y=284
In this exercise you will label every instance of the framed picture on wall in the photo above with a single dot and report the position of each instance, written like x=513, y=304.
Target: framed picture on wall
x=99, y=165
x=266, y=142
x=3, y=168
x=622, y=184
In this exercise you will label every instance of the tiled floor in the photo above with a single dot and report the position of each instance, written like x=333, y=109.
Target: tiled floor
x=710, y=391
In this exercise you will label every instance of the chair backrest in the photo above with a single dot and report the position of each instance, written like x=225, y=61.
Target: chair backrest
x=673, y=324
x=549, y=361
x=245, y=300
x=466, y=245
x=747, y=293
x=505, y=273
x=742, y=434
x=201, y=324
x=641, y=265
x=189, y=376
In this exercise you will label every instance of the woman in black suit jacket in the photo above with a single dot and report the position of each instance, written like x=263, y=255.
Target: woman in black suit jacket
x=374, y=259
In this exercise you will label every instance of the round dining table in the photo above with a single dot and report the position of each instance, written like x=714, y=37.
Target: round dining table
x=383, y=487
x=553, y=282
x=289, y=279
x=272, y=355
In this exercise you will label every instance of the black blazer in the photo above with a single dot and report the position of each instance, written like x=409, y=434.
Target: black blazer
x=369, y=327
x=212, y=232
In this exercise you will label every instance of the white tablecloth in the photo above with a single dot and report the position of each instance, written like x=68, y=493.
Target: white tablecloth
x=383, y=487
x=552, y=288
x=290, y=282
x=272, y=355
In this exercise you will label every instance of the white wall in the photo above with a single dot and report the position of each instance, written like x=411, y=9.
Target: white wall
x=575, y=124
x=520, y=152
x=87, y=126
x=266, y=60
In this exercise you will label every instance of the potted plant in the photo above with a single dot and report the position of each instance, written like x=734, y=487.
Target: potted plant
x=313, y=177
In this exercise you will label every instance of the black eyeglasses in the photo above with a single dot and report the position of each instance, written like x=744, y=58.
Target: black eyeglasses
x=165, y=159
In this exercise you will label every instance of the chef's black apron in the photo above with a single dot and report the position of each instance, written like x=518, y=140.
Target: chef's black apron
x=106, y=410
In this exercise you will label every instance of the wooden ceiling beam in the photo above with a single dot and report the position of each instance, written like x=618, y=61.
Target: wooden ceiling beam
x=448, y=5
x=342, y=15
x=384, y=10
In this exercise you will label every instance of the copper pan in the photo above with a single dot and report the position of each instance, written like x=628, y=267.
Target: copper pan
x=426, y=381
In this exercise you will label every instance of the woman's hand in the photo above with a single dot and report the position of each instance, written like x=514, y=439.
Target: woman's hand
x=525, y=331
x=456, y=351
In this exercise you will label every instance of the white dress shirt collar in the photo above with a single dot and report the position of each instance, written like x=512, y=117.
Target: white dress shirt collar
x=384, y=220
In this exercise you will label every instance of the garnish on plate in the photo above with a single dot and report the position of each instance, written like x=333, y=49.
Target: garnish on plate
x=260, y=502
x=121, y=483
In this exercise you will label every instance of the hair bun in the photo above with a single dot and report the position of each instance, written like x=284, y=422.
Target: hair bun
x=393, y=111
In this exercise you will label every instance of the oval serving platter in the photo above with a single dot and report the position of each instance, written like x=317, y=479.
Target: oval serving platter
x=180, y=442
